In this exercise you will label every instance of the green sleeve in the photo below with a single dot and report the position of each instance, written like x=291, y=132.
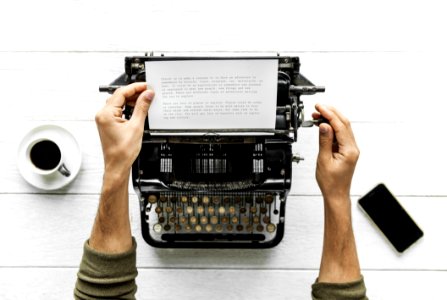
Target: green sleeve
x=107, y=276
x=347, y=291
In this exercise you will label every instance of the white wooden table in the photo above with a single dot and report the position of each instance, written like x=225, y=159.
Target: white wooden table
x=383, y=64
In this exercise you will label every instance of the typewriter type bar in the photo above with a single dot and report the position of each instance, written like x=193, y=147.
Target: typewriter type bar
x=218, y=191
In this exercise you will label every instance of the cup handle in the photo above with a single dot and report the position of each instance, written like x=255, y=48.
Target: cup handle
x=64, y=171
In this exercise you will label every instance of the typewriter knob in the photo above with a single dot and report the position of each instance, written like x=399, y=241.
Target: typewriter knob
x=297, y=158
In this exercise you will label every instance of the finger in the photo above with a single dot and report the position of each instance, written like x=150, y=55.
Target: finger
x=121, y=95
x=141, y=107
x=342, y=129
x=326, y=139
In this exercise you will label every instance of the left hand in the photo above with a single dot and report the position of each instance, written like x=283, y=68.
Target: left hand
x=120, y=138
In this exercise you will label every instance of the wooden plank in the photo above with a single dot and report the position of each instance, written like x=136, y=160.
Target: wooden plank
x=405, y=159
x=49, y=230
x=58, y=283
x=348, y=25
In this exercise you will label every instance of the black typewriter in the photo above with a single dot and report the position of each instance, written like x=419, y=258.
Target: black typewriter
x=213, y=190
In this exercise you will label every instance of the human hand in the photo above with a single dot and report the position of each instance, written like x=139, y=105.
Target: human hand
x=338, y=154
x=120, y=138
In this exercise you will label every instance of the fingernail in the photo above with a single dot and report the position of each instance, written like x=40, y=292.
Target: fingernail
x=323, y=129
x=149, y=95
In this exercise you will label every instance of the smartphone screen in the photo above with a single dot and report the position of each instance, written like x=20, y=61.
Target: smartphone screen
x=390, y=217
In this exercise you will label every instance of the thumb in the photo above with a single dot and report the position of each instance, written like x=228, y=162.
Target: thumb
x=326, y=139
x=142, y=106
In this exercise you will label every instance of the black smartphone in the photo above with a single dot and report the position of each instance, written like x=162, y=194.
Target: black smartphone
x=390, y=217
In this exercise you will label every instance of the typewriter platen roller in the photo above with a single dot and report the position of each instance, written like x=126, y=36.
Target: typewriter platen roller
x=214, y=190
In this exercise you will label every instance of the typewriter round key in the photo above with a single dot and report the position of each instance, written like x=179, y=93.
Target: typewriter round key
x=161, y=219
x=245, y=220
x=158, y=210
x=169, y=209
x=268, y=198
x=216, y=200
x=194, y=199
x=219, y=228
x=229, y=227
x=266, y=219
x=259, y=200
x=226, y=200
x=173, y=199
x=271, y=227
x=179, y=210
x=167, y=227
x=188, y=227
x=214, y=220
x=172, y=219
x=234, y=220
x=178, y=227
x=203, y=220
x=255, y=219
x=152, y=199
x=263, y=210
x=189, y=210
x=193, y=220
x=183, y=220
x=211, y=210
x=158, y=228
x=163, y=199
x=243, y=210
x=205, y=200
x=259, y=228
x=198, y=228
x=253, y=209
x=239, y=227
x=209, y=227
x=221, y=210
x=200, y=209
x=224, y=220
x=237, y=199
x=231, y=210
x=184, y=199
x=249, y=228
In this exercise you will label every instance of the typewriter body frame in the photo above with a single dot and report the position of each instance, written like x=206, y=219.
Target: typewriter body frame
x=247, y=177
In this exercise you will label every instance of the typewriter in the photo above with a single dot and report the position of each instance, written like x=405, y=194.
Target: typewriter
x=215, y=190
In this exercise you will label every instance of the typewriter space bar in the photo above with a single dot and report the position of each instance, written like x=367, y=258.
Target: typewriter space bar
x=211, y=237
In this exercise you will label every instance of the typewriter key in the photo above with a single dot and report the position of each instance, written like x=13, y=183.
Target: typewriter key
x=221, y=210
x=193, y=220
x=203, y=220
x=211, y=210
x=172, y=219
x=158, y=210
x=183, y=220
x=219, y=228
x=189, y=210
x=229, y=227
x=253, y=209
x=243, y=210
x=173, y=199
x=184, y=199
x=245, y=220
x=179, y=210
x=234, y=220
x=271, y=227
x=178, y=227
x=263, y=210
x=259, y=228
x=200, y=209
x=152, y=199
x=163, y=199
x=255, y=219
x=259, y=200
x=268, y=198
x=231, y=210
x=169, y=209
x=157, y=228
x=237, y=200
x=167, y=227
x=161, y=219
x=198, y=228
x=216, y=200
x=214, y=220
x=205, y=200
x=188, y=227
x=209, y=228
x=194, y=199
x=224, y=220
x=249, y=228
x=266, y=219
x=226, y=200
x=239, y=227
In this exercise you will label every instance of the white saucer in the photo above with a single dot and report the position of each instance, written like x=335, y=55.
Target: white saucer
x=69, y=147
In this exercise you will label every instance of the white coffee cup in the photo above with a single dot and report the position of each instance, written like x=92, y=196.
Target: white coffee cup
x=46, y=158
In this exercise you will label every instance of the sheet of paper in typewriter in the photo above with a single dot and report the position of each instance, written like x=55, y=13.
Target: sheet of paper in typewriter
x=213, y=94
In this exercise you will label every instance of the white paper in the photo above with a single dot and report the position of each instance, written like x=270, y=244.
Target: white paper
x=213, y=94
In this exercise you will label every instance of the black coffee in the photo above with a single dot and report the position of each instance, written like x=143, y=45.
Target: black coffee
x=45, y=155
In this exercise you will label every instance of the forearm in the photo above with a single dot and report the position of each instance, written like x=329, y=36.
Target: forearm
x=111, y=230
x=339, y=262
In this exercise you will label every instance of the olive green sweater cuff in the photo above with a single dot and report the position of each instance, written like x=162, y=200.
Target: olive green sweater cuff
x=106, y=276
x=332, y=291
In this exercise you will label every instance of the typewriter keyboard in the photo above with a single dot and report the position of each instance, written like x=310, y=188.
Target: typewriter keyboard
x=227, y=215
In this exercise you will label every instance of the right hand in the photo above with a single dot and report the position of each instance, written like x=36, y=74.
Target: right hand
x=338, y=154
